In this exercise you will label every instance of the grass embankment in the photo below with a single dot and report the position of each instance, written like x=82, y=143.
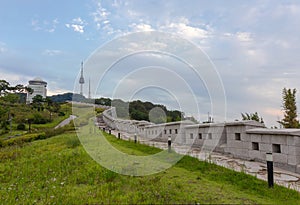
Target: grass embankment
x=58, y=170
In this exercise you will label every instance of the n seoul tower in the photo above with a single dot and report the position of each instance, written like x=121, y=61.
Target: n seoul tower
x=81, y=79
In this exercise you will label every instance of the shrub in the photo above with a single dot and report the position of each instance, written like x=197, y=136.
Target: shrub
x=61, y=114
x=21, y=140
x=39, y=119
x=21, y=126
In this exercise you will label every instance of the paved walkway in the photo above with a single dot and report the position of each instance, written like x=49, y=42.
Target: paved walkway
x=66, y=121
x=282, y=177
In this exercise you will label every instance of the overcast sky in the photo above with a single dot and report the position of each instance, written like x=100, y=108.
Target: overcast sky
x=254, y=45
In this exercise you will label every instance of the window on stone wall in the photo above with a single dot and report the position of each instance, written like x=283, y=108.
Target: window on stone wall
x=200, y=136
x=209, y=136
x=255, y=146
x=176, y=131
x=165, y=131
x=170, y=131
x=191, y=136
x=276, y=148
x=238, y=136
x=156, y=132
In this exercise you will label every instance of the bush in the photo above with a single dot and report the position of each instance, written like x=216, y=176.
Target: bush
x=21, y=126
x=61, y=114
x=39, y=119
x=21, y=140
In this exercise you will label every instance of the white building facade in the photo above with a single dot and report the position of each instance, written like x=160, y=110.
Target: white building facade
x=39, y=87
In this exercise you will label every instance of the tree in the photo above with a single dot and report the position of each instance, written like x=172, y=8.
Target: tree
x=4, y=87
x=252, y=116
x=290, y=109
x=37, y=102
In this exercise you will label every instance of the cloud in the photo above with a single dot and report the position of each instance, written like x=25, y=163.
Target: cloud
x=183, y=28
x=101, y=15
x=51, y=52
x=244, y=36
x=2, y=47
x=77, y=24
x=45, y=25
x=141, y=27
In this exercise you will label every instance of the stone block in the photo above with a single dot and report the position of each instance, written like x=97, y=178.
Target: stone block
x=256, y=154
x=294, y=150
x=255, y=138
x=238, y=144
x=279, y=139
x=293, y=160
x=297, y=141
x=235, y=129
x=263, y=147
x=266, y=139
x=298, y=169
x=291, y=141
x=245, y=137
x=243, y=153
x=280, y=158
x=284, y=149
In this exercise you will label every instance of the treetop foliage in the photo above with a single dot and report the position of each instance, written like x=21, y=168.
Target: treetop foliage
x=290, y=109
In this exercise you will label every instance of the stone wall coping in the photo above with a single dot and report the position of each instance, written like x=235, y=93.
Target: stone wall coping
x=185, y=122
x=267, y=131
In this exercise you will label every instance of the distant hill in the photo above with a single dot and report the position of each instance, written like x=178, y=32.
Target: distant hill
x=68, y=97
x=135, y=110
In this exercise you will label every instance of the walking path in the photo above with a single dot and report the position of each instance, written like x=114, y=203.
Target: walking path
x=66, y=121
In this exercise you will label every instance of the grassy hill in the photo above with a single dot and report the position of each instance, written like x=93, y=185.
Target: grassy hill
x=58, y=170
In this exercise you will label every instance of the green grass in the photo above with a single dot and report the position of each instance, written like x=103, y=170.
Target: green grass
x=59, y=171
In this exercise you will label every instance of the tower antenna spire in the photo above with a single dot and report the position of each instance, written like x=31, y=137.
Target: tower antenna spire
x=81, y=79
x=89, y=88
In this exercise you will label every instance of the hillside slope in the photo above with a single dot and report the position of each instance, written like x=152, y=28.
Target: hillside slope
x=58, y=170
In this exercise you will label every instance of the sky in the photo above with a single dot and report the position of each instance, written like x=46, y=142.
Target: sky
x=254, y=46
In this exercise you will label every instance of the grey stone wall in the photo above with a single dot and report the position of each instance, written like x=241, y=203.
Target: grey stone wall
x=242, y=139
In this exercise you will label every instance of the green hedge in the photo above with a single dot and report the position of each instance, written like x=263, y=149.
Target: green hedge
x=23, y=139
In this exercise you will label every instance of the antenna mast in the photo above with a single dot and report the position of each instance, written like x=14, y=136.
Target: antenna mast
x=89, y=88
x=81, y=80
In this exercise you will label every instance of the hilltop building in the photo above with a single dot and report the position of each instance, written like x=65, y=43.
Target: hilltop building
x=39, y=88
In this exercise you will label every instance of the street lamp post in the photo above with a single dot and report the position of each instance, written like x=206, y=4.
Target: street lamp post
x=135, y=138
x=169, y=144
x=269, y=159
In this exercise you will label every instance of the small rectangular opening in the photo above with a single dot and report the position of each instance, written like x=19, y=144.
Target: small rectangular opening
x=238, y=136
x=176, y=131
x=165, y=131
x=209, y=136
x=276, y=148
x=255, y=146
x=170, y=131
x=191, y=136
x=200, y=136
